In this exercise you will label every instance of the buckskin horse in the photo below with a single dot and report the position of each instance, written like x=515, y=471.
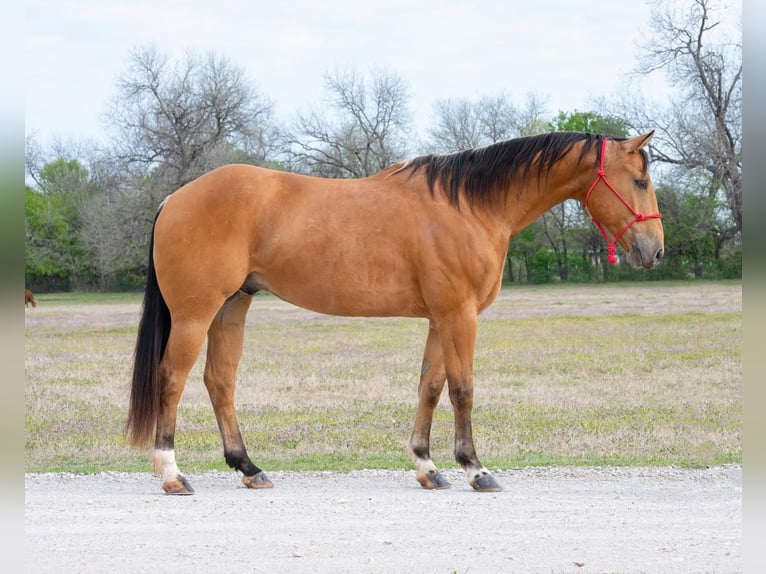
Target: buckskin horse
x=426, y=237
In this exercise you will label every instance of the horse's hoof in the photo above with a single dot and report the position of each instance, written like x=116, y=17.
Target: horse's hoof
x=434, y=480
x=178, y=486
x=259, y=480
x=485, y=483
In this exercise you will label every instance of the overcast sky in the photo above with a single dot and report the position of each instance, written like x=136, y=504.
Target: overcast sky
x=568, y=51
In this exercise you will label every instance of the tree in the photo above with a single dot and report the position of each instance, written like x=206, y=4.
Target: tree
x=521, y=251
x=700, y=131
x=592, y=122
x=46, y=234
x=54, y=252
x=689, y=241
x=462, y=124
x=180, y=120
x=116, y=233
x=75, y=221
x=364, y=131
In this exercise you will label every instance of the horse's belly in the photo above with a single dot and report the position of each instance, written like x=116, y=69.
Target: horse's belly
x=355, y=294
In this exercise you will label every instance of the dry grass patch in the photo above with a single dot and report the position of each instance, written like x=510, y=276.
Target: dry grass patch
x=619, y=374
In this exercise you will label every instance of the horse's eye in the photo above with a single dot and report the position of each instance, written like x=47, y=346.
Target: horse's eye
x=641, y=183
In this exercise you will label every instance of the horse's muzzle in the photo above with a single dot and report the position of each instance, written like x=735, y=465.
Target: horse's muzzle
x=645, y=256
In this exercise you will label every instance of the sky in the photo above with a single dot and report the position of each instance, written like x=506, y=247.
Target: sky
x=568, y=52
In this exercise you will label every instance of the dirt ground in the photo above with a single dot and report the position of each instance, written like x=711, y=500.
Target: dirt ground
x=547, y=520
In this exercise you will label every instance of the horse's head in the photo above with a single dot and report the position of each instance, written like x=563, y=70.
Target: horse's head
x=622, y=203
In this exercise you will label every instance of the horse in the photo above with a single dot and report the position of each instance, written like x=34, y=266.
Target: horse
x=425, y=238
x=29, y=298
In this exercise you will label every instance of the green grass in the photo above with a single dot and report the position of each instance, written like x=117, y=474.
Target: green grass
x=84, y=298
x=640, y=374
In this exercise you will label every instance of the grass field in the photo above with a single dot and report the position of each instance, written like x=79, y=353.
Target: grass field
x=643, y=373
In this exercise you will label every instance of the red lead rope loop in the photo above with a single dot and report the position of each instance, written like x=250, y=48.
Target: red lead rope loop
x=612, y=245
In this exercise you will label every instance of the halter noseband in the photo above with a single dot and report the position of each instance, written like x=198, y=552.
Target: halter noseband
x=612, y=245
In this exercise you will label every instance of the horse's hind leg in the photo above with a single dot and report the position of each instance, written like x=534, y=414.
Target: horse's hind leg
x=432, y=378
x=224, y=350
x=183, y=347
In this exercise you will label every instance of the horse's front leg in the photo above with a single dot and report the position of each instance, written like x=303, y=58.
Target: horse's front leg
x=224, y=351
x=458, y=337
x=432, y=379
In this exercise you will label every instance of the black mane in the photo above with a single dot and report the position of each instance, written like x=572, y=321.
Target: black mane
x=481, y=175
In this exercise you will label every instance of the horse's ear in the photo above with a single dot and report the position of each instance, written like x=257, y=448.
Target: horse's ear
x=636, y=143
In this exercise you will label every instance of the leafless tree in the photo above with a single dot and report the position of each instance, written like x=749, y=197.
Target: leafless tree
x=178, y=120
x=115, y=233
x=362, y=130
x=37, y=157
x=700, y=130
x=461, y=123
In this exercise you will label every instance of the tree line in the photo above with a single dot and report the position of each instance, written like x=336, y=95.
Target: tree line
x=89, y=209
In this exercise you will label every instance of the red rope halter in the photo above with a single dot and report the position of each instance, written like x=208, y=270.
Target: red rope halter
x=612, y=245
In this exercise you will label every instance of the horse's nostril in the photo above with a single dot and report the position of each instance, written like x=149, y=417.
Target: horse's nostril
x=660, y=254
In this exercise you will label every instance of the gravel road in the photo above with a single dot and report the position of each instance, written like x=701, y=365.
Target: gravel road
x=549, y=520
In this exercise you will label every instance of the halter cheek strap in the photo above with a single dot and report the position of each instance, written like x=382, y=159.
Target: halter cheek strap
x=612, y=245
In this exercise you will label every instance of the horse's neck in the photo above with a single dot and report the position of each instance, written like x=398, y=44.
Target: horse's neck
x=528, y=200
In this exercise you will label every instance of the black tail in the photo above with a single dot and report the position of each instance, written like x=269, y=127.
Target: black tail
x=153, y=333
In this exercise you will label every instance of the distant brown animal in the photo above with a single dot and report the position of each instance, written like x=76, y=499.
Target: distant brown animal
x=425, y=238
x=29, y=298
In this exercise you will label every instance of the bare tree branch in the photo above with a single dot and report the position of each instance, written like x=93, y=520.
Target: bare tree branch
x=462, y=124
x=177, y=120
x=701, y=129
x=364, y=132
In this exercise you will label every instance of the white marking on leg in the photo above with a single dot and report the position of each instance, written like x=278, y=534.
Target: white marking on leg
x=164, y=462
x=473, y=473
x=425, y=467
